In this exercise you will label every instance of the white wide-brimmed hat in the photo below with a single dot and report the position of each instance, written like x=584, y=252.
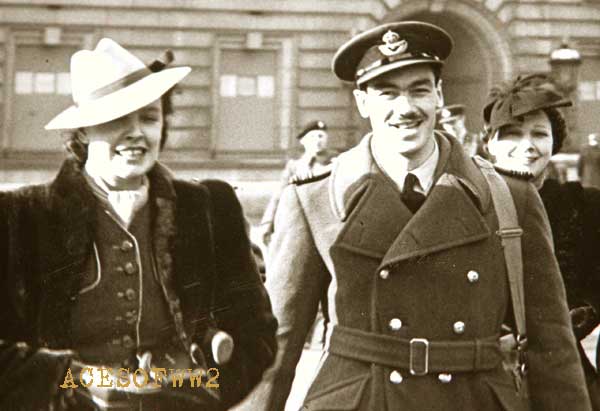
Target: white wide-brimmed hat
x=110, y=82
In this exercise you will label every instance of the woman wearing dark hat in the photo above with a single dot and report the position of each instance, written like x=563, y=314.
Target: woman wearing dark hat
x=116, y=265
x=314, y=162
x=525, y=130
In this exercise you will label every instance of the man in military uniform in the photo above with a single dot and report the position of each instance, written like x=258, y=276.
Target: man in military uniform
x=315, y=161
x=589, y=163
x=401, y=239
x=452, y=119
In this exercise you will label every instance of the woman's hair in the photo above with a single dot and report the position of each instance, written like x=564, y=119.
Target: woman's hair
x=74, y=141
x=557, y=123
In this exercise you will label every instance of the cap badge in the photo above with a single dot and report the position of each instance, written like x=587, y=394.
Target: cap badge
x=393, y=44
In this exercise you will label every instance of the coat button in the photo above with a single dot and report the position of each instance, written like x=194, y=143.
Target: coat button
x=445, y=378
x=459, y=327
x=395, y=377
x=130, y=268
x=395, y=324
x=473, y=276
x=126, y=245
x=384, y=274
x=130, y=294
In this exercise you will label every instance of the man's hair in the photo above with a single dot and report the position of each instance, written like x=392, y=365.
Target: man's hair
x=437, y=75
x=78, y=149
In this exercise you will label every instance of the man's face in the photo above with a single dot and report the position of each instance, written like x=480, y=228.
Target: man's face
x=401, y=106
x=314, y=141
x=124, y=150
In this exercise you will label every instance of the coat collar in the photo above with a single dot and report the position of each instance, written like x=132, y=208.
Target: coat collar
x=74, y=203
x=379, y=225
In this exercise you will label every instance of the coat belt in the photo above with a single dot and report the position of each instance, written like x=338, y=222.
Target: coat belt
x=418, y=355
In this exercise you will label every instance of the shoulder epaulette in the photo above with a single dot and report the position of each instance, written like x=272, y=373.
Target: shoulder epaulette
x=309, y=179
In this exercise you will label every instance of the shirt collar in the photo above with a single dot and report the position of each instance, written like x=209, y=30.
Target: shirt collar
x=424, y=172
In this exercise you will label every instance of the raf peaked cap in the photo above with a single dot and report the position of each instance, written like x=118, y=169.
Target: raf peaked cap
x=389, y=47
x=450, y=113
x=313, y=125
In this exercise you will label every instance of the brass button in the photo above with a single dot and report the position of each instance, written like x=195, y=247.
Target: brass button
x=395, y=324
x=395, y=377
x=445, y=378
x=120, y=294
x=130, y=294
x=473, y=276
x=459, y=327
x=128, y=342
x=116, y=341
x=384, y=274
x=130, y=268
x=126, y=245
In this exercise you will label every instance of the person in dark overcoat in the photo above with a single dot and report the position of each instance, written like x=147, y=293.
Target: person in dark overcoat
x=401, y=239
x=525, y=130
x=118, y=264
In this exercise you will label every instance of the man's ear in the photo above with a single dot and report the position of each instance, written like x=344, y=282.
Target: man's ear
x=440, y=94
x=361, y=102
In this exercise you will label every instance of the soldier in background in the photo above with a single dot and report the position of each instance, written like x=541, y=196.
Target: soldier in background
x=314, y=162
x=451, y=119
x=589, y=163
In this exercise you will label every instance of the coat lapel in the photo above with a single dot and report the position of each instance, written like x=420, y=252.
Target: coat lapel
x=378, y=224
x=367, y=202
x=453, y=213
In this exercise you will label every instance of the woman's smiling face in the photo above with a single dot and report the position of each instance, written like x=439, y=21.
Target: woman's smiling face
x=525, y=146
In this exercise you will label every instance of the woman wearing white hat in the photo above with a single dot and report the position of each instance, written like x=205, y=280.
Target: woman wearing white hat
x=116, y=264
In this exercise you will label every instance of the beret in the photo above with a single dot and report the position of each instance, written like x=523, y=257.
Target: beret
x=313, y=125
x=388, y=47
x=450, y=112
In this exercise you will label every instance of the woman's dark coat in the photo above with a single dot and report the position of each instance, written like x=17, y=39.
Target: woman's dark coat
x=574, y=215
x=201, y=249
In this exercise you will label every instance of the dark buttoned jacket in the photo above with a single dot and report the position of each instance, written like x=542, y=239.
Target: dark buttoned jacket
x=203, y=260
x=437, y=275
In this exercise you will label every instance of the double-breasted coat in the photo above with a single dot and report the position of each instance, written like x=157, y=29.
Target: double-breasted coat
x=202, y=257
x=389, y=276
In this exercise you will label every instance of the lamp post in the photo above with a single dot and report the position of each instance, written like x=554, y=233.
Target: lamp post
x=565, y=63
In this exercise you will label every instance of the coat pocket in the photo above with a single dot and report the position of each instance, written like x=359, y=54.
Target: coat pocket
x=507, y=395
x=344, y=395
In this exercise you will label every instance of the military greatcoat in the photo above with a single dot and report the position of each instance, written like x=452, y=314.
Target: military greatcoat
x=390, y=276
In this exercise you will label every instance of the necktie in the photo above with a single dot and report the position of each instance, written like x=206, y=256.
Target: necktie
x=411, y=198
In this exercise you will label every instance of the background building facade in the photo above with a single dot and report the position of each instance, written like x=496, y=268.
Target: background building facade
x=261, y=70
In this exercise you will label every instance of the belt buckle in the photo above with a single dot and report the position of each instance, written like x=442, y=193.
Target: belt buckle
x=424, y=344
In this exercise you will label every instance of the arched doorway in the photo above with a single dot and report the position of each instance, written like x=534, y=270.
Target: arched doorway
x=480, y=58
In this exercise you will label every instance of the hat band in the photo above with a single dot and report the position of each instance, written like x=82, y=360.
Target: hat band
x=387, y=60
x=116, y=85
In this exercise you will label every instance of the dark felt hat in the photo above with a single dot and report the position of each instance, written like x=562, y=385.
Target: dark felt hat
x=522, y=96
x=449, y=113
x=313, y=125
x=389, y=47
x=507, y=103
